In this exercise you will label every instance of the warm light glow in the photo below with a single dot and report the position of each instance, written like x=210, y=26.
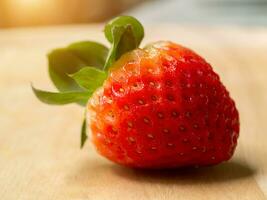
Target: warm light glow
x=27, y=4
x=28, y=11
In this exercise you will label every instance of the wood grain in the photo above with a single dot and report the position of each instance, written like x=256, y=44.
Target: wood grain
x=40, y=157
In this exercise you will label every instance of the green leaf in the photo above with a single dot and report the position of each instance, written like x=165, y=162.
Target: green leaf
x=83, y=134
x=68, y=60
x=125, y=34
x=55, y=98
x=92, y=53
x=121, y=21
x=123, y=42
x=89, y=78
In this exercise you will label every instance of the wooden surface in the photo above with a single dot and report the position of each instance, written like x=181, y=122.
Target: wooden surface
x=40, y=157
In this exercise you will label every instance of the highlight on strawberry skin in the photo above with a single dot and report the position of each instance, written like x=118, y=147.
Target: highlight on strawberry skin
x=159, y=106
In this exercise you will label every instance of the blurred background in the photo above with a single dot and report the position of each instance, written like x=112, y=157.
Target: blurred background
x=39, y=144
x=20, y=13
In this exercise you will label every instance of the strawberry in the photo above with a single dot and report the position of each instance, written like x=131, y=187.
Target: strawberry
x=162, y=106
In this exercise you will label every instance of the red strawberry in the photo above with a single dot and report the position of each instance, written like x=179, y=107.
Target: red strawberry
x=158, y=107
x=161, y=107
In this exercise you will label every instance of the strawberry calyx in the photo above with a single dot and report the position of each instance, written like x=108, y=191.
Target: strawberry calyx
x=80, y=68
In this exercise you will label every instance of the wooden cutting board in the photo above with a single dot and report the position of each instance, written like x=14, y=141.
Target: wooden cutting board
x=40, y=157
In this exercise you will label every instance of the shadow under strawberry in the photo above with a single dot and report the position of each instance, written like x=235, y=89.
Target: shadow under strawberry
x=88, y=174
x=229, y=171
